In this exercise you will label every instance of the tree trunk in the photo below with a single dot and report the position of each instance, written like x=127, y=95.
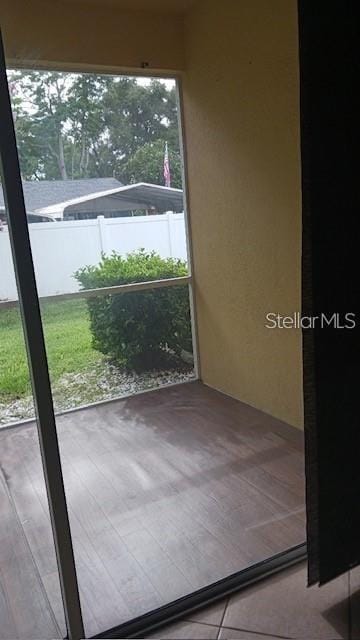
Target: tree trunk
x=62, y=166
x=84, y=157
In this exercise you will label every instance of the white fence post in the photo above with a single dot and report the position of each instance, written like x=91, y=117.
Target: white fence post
x=102, y=233
x=169, y=226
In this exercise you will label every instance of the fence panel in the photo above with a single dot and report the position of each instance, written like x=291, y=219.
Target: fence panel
x=61, y=248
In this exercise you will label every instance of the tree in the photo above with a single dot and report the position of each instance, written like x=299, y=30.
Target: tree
x=137, y=115
x=26, y=138
x=147, y=165
x=84, y=125
x=41, y=99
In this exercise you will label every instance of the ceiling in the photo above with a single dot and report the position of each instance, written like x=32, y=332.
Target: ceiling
x=168, y=6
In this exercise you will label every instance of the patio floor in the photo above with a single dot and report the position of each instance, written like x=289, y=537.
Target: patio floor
x=167, y=491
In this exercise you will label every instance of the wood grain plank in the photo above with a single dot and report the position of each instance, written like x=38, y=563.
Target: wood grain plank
x=27, y=606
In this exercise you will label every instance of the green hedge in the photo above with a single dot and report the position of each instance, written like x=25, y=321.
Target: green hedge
x=145, y=329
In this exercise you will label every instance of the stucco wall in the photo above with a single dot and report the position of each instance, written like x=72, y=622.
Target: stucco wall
x=66, y=34
x=241, y=108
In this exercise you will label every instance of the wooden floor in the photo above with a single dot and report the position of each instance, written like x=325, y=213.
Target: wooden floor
x=167, y=491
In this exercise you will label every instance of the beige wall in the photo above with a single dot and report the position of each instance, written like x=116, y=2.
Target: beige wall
x=68, y=34
x=242, y=130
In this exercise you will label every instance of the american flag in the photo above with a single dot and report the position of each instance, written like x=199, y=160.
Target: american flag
x=167, y=174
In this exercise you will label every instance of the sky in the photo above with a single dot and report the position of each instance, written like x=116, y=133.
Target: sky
x=169, y=83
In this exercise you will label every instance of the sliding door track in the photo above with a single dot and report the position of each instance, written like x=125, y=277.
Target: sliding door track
x=147, y=623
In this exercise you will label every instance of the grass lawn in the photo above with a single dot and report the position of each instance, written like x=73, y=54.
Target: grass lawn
x=68, y=345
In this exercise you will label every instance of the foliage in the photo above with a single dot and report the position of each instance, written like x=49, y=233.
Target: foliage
x=68, y=345
x=141, y=329
x=146, y=165
x=72, y=126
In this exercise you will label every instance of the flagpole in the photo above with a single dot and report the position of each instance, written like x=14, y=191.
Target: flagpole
x=167, y=174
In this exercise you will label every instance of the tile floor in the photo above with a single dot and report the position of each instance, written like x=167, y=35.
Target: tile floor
x=167, y=492
x=279, y=607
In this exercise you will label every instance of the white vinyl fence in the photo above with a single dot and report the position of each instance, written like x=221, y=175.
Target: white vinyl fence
x=60, y=248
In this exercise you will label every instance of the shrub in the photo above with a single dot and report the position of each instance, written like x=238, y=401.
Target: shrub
x=142, y=329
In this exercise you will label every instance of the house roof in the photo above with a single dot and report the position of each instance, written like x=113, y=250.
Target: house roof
x=56, y=198
x=40, y=194
x=122, y=198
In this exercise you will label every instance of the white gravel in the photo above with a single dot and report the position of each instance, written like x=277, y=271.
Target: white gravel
x=105, y=381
